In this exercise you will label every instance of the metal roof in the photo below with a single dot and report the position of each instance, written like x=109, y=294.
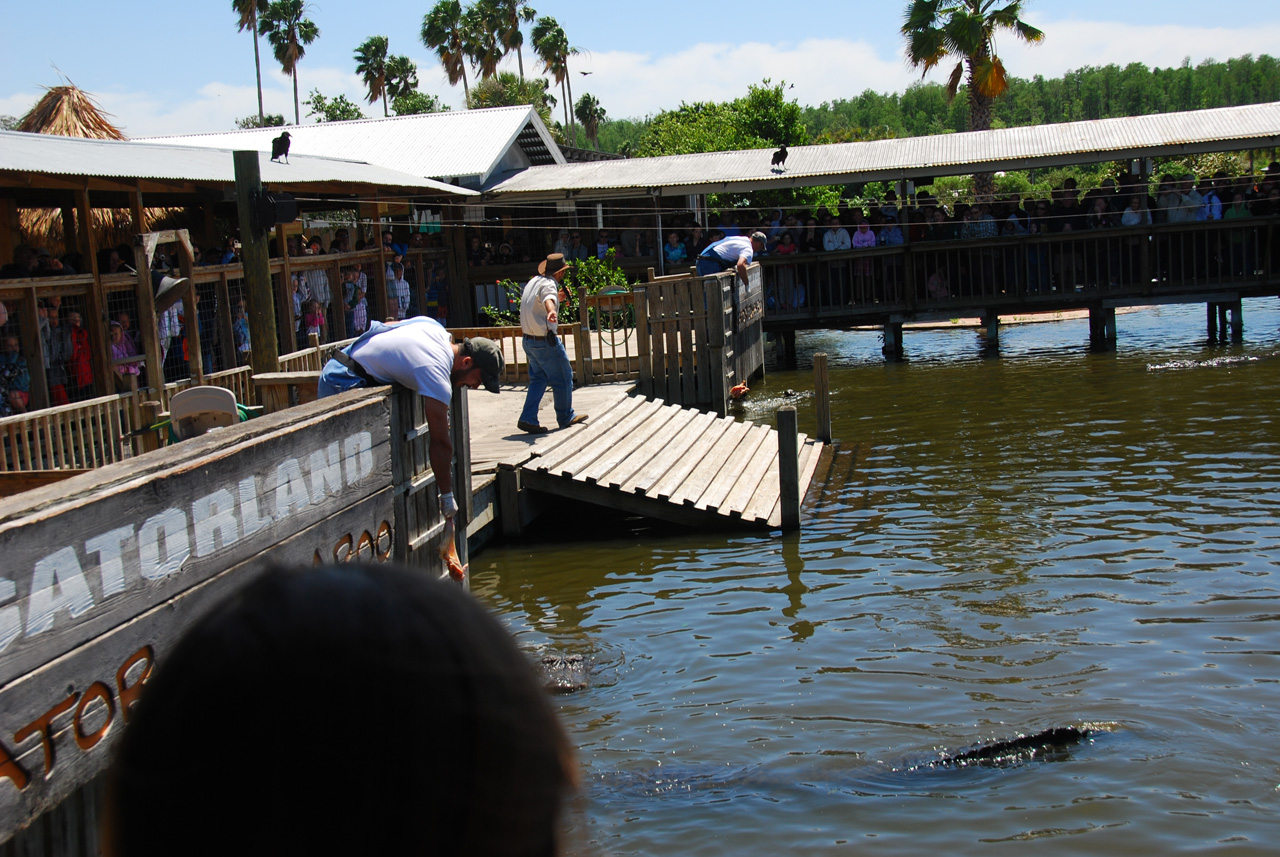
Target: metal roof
x=1222, y=129
x=453, y=144
x=77, y=156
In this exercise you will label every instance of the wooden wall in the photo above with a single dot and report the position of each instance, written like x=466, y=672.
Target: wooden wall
x=104, y=571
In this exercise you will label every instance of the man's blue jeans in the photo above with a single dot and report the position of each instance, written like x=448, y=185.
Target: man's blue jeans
x=549, y=366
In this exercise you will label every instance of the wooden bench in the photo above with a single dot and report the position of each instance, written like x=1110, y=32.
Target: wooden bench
x=275, y=389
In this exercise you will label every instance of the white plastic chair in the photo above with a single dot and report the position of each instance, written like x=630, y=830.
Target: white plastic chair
x=195, y=410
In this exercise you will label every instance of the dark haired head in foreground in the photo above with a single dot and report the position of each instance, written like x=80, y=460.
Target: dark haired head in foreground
x=342, y=710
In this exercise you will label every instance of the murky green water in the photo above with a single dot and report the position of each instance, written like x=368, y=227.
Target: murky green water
x=1050, y=538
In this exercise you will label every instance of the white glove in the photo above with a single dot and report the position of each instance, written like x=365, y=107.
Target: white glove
x=448, y=505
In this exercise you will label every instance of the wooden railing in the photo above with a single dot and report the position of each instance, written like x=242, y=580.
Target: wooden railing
x=1054, y=270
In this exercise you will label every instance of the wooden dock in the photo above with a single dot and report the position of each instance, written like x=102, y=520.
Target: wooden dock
x=639, y=456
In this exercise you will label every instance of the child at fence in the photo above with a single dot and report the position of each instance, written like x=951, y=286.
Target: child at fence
x=14, y=377
x=240, y=331
x=313, y=320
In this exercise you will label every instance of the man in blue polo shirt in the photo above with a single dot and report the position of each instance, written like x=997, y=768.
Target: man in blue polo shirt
x=734, y=252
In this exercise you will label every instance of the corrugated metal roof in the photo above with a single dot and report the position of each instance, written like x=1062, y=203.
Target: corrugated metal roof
x=945, y=154
x=77, y=156
x=453, y=144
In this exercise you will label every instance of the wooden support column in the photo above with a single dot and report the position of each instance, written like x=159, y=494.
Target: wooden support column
x=509, y=500
x=991, y=332
x=789, y=468
x=822, y=396
x=459, y=429
x=33, y=352
x=1102, y=328
x=1210, y=321
x=190, y=310
x=265, y=356
x=644, y=350
x=1236, y=311
x=460, y=311
x=893, y=351
x=226, y=318
x=284, y=294
x=96, y=311
x=147, y=327
x=10, y=230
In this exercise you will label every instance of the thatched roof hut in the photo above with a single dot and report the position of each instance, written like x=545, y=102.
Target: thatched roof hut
x=69, y=111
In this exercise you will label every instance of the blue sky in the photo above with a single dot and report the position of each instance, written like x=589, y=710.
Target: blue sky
x=168, y=68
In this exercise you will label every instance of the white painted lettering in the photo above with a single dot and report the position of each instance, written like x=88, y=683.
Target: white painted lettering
x=163, y=544
x=214, y=517
x=57, y=583
x=251, y=519
x=110, y=550
x=10, y=617
x=358, y=451
x=326, y=472
x=291, y=488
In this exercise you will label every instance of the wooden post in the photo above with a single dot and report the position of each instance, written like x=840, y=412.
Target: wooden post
x=582, y=339
x=96, y=315
x=459, y=428
x=226, y=316
x=1236, y=310
x=893, y=350
x=191, y=313
x=147, y=321
x=284, y=296
x=720, y=380
x=822, y=394
x=265, y=356
x=642, y=341
x=1210, y=319
x=33, y=352
x=509, y=499
x=789, y=468
x=150, y=416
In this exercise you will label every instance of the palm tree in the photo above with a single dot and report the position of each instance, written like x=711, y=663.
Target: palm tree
x=938, y=29
x=371, y=65
x=402, y=77
x=552, y=47
x=480, y=33
x=442, y=32
x=504, y=89
x=590, y=114
x=249, y=10
x=289, y=33
x=510, y=14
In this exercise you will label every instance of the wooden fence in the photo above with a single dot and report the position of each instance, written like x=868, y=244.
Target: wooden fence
x=96, y=596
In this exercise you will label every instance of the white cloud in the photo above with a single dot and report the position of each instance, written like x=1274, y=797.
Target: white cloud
x=1076, y=44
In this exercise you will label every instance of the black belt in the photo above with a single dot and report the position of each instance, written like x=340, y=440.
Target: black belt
x=354, y=365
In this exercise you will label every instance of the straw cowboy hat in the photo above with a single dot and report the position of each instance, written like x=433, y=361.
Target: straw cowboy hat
x=552, y=264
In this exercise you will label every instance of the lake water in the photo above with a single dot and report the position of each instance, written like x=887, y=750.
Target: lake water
x=1049, y=538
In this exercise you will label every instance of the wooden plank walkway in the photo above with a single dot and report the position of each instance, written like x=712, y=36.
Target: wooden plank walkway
x=642, y=456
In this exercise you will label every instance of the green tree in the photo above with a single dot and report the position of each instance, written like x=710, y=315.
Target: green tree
x=938, y=29
x=510, y=15
x=416, y=102
x=336, y=109
x=371, y=65
x=402, y=77
x=443, y=32
x=271, y=120
x=589, y=112
x=289, y=32
x=480, y=24
x=552, y=47
x=504, y=89
x=248, y=12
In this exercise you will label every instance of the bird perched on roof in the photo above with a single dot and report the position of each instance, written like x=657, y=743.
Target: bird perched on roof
x=780, y=157
x=280, y=147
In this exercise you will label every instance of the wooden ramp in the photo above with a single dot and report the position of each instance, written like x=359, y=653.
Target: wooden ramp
x=649, y=458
